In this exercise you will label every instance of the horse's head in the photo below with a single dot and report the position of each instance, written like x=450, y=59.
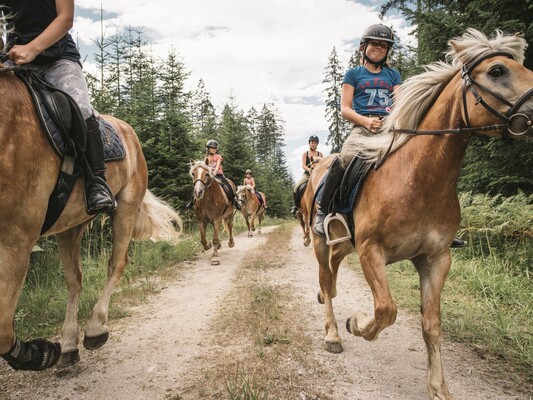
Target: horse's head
x=496, y=88
x=241, y=194
x=201, y=178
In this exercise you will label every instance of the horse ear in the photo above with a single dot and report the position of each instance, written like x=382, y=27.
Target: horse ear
x=457, y=48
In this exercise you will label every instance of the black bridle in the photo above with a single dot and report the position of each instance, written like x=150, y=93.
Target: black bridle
x=469, y=84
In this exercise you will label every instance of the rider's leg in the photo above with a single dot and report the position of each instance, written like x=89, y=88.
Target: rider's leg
x=331, y=183
x=99, y=197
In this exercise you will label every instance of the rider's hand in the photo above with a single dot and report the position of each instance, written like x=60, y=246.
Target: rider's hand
x=22, y=54
x=373, y=124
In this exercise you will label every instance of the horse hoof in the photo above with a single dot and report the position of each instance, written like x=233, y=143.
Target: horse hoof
x=208, y=246
x=68, y=359
x=348, y=324
x=219, y=246
x=93, y=343
x=231, y=244
x=215, y=262
x=250, y=235
x=319, y=297
x=334, y=347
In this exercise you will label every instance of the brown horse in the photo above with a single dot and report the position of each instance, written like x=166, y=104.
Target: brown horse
x=28, y=172
x=211, y=207
x=408, y=208
x=251, y=208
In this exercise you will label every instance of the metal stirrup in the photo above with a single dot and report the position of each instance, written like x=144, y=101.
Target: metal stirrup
x=336, y=217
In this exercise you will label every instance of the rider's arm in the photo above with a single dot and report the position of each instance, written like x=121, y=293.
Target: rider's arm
x=304, y=166
x=347, y=93
x=217, y=167
x=59, y=27
x=253, y=183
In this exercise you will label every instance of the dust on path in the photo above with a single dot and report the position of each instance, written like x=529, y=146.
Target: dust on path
x=152, y=353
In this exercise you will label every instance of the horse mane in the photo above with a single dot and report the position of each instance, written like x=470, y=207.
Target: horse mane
x=199, y=164
x=416, y=95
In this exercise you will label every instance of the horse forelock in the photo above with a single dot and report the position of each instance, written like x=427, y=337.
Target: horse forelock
x=415, y=96
x=198, y=164
x=474, y=44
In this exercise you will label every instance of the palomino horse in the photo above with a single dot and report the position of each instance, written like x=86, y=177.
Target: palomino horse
x=408, y=208
x=211, y=207
x=251, y=208
x=29, y=168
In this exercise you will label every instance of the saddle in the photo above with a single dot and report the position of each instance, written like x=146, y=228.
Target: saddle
x=227, y=189
x=66, y=130
x=300, y=190
x=344, y=198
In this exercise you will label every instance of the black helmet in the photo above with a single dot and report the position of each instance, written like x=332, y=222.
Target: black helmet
x=248, y=171
x=313, y=138
x=212, y=144
x=378, y=32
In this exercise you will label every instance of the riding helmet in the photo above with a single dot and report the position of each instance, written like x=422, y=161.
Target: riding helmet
x=248, y=171
x=212, y=144
x=313, y=139
x=378, y=32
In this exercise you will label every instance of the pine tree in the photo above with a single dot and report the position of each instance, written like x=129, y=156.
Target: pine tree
x=337, y=125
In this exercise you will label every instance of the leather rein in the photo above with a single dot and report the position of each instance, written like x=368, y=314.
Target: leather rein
x=468, y=84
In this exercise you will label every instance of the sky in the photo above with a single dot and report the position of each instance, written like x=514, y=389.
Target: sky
x=257, y=51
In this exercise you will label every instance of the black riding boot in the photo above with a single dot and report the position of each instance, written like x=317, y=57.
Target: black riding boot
x=332, y=182
x=457, y=243
x=98, y=195
x=294, y=208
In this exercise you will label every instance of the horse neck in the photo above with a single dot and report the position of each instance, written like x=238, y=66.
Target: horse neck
x=441, y=156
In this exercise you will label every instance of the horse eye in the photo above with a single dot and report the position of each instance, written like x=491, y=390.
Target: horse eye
x=496, y=71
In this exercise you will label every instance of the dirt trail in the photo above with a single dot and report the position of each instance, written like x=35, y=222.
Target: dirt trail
x=157, y=351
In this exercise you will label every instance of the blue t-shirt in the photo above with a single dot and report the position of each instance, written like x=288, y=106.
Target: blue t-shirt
x=373, y=91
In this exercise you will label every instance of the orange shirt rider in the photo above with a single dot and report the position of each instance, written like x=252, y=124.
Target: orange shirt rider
x=215, y=162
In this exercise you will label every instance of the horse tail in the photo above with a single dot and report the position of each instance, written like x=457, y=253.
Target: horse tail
x=157, y=221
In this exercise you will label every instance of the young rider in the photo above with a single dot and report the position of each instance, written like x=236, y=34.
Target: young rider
x=366, y=98
x=249, y=180
x=38, y=37
x=214, y=161
x=309, y=157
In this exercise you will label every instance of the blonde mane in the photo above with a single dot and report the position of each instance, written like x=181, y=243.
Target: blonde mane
x=416, y=95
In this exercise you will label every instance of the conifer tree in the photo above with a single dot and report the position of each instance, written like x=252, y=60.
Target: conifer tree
x=338, y=127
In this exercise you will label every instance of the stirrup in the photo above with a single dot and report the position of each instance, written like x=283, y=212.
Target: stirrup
x=336, y=217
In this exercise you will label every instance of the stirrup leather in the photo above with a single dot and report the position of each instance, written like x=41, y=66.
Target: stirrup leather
x=336, y=217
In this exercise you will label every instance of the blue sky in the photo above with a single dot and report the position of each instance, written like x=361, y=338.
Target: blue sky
x=256, y=50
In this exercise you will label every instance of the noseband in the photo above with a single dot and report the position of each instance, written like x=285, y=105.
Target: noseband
x=468, y=84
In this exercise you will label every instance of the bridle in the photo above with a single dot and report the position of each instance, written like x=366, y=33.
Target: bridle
x=469, y=84
x=208, y=181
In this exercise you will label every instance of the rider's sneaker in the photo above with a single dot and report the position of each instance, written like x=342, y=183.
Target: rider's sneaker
x=294, y=209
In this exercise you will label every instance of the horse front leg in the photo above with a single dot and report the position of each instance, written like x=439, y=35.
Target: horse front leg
x=248, y=225
x=215, y=260
x=123, y=220
x=432, y=277
x=332, y=340
x=374, y=269
x=229, y=227
x=36, y=354
x=203, y=238
x=69, y=249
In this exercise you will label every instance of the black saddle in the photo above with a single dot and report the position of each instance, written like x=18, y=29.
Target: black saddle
x=226, y=186
x=346, y=194
x=66, y=131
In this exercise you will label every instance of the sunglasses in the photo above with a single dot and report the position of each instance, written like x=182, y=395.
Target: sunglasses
x=376, y=43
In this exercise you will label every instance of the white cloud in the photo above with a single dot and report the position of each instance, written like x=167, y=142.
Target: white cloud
x=252, y=49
